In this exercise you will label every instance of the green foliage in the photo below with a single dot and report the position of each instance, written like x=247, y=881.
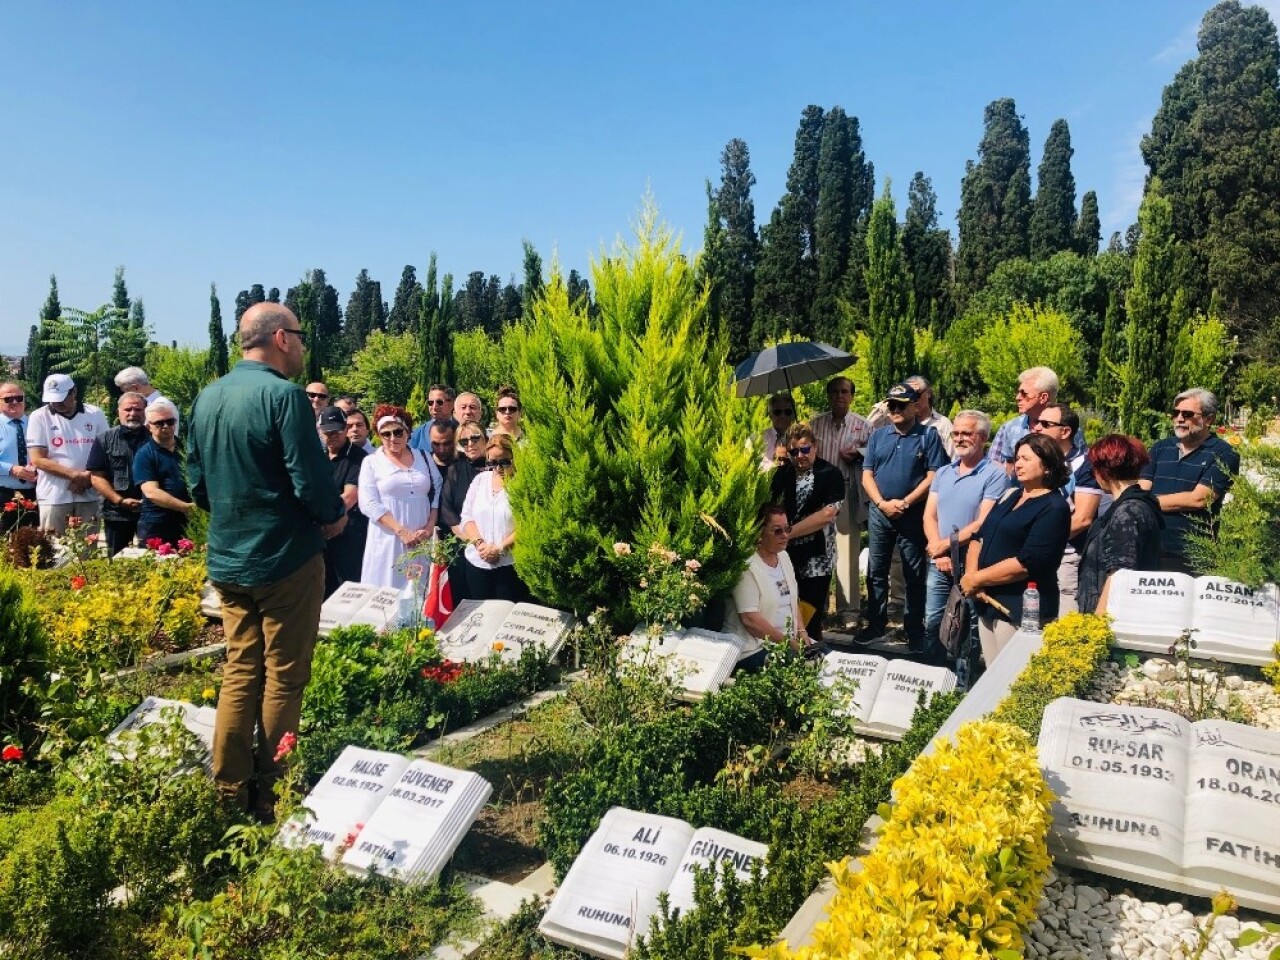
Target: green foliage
x=180, y=372
x=1247, y=545
x=482, y=364
x=435, y=332
x=404, y=306
x=1258, y=384
x=1202, y=353
x=1214, y=148
x=888, y=299
x=1029, y=336
x=926, y=249
x=845, y=191
x=730, y=249
x=1156, y=307
x=995, y=197
x=23, y=652
x=365, y=312
x=632, y=434
x=1088, y=231
x=216, y=361
x=1053, y=215
x=385, y=371
x=94, y=347
x=1111, y=357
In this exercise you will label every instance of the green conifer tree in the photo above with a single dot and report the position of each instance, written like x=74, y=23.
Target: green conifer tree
x=1088, y=234
x=120, y=293
x=1053, y=215
x=888, y=299
x=926, y=250
x=404, y=306
x=216, y=361
x=632, y=433
x=1111, y=357
x=730, y=248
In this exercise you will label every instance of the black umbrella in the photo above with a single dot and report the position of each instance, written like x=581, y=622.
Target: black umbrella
x=787, y=365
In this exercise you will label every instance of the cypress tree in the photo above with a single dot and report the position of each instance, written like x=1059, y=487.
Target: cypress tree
x=1111, y=357
x=404, y=306
x=51, y=311
x=216, y=362
x=729, y=250
x=833, y=234
x=1053, y=215
x=1157, y=269
x=578, y=287
x=120, y=293
x=364, y=313
x=995, y=198
x=1215, y=148
x=888, y=299
x=532, y=287
x=273, y=295
x=39, y=353
x=787, y=271
x=1088, y=235
x=926, y=250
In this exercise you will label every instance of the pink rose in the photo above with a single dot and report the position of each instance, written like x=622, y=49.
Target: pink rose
x=622, y=549
x=287, y=742
x=693, y=566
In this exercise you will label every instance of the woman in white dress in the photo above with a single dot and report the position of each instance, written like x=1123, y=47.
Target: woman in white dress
x=399, y=493
x=489, y=528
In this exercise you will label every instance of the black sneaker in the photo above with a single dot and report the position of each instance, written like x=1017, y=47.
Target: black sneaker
x=867, y=636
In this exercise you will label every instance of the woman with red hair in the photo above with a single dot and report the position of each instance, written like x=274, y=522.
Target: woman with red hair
x=399, y=493
x=1127, y=536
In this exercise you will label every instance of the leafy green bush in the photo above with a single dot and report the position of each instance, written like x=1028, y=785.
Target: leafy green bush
x=1247, y=544
x=632, y=432
x=22, y=659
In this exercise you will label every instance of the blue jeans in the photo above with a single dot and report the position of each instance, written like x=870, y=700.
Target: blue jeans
x=937, y=591
x=906, y=534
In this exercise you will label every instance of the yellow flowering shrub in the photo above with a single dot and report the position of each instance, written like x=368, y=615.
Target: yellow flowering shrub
x=960, y=864
x=1074, y=647
x=109, y=613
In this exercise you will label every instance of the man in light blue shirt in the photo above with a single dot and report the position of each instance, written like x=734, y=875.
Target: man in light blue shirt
x=960, y=497
x=17, y=476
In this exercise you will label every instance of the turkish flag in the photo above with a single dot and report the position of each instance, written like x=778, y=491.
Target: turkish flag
x=438, y=603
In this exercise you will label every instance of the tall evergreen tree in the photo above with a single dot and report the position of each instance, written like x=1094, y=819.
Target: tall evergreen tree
x=888, y=299
x=39, y=360
x=435, y=333
x=729, y=250
x=995, y=198
x=1215, y=148
x=328, y=319
x=577, y=287
x=273, y=295
x=532, y=287
x=787, y=271
x=216, y=362
x=833, y=234
x=247, y=298
x=120, y=293
x=365, y=311
x=511, y=306
x=51, y=311
x=1111, y=357
x=1157, y=270
x=1053, y=215
x=404, y=306
x=926, y=250
x=1088, y=235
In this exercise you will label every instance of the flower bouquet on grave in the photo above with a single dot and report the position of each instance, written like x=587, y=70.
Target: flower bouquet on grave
x=666, y=587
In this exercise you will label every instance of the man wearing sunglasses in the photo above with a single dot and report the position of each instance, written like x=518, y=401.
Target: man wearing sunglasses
x=900, y=463
x=1189, y=473
x=439, y=414
x=1037, y=388
x=782, y=414
x=254, y=464
x=17, y=475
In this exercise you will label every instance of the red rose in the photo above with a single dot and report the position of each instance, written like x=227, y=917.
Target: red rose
x=28, y=504
x=154, y=543
x=10, y=507
x=285, y=747
x=11, y=754
x=78, y=583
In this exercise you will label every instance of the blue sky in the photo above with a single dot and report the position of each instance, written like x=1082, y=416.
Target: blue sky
x=247, y=142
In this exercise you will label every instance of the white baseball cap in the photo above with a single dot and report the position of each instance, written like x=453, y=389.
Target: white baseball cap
x=56, y=387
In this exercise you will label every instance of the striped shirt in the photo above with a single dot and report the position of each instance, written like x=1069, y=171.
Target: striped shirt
x=834, y=436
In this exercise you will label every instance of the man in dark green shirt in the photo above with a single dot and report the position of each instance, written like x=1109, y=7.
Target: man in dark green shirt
x=255, y=464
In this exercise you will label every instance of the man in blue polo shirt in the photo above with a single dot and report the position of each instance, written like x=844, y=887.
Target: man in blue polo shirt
x=960, y=497
x=899, y=467
x=1189, y=473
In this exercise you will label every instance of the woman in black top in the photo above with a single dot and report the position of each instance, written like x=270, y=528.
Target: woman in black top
x=471, y=444
x=811, y=490
x=1127, y=536
x=1021, y=541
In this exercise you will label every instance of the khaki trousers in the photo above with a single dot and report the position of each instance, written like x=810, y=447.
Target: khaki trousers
x=994, y=634
x=54, y=516
x=271, y=634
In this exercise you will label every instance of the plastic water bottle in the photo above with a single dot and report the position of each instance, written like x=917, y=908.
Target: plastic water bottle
x=1031, y=608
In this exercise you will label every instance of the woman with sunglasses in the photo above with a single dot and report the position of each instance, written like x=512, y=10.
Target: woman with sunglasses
x=158, y=471
x=508, y=408
x=471, y=444
x=399, y=494
x=489, y=528
x=811, y=491
x=766, y=600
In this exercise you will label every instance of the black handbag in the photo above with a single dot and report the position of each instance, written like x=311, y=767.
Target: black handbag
x=954, y=629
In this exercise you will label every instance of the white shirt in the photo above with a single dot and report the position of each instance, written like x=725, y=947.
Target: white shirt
x=386, y=487
x=490, y=511
x=66, y=442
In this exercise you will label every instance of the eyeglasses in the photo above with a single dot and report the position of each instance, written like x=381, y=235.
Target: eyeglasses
x=781, y=531
x=801, y=451
x=395, y=433
x=789, y=412
x=1027, y=394
x=467, y=441
x=15, y=399
x=299, y=333
x=897, y=404
x=1180, y=414
x=508, y=409
x=317, y=396
x=166, y=422
x=436, y=403
x=1043, y=424
x=492, y=464
x=963, y=434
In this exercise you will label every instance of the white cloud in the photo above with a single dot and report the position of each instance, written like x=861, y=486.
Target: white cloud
x=1128, y=182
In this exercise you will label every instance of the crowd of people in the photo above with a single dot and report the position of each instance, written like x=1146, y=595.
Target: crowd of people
x=945, y=504
x=941, y=504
